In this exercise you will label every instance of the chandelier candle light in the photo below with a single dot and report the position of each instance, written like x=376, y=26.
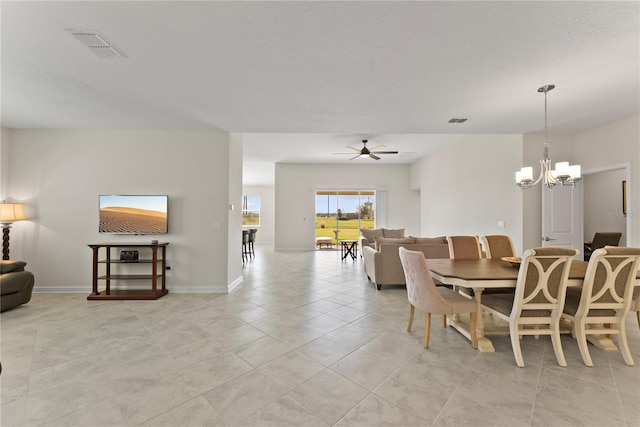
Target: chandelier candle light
x=564, y=174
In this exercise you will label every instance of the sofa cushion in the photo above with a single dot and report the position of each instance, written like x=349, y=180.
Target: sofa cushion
x=370, y=234
x=7, y=266
x=395, y=233
x=405, y=240
x=431, y=240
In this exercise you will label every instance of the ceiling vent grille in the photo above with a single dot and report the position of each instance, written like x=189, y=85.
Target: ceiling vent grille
x=457, y=120
x=97, y=44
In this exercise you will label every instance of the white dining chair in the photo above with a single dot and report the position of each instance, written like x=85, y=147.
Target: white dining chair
x=536, y=306
x=601, y=306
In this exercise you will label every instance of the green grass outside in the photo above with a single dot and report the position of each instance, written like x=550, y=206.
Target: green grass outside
x=349, y=229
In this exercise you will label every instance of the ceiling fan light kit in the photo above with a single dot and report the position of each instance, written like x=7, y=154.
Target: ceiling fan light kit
x=564, y=173
x=365, y=152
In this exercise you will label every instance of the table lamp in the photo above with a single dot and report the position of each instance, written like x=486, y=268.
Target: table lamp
x=9, y=213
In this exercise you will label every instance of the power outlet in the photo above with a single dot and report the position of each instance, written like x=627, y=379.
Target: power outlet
x=500, y=224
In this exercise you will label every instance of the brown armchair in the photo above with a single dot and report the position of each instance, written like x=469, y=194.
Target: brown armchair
x=600, y=240
x=16, y=284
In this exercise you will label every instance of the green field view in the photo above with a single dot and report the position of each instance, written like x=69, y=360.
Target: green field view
x=349, y=228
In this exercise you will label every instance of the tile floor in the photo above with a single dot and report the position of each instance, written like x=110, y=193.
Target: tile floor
x=306, y=340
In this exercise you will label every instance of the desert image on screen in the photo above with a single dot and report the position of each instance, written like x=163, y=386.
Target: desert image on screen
x=115, y=219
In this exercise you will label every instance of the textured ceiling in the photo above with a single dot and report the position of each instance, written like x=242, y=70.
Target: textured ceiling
x=333, y=72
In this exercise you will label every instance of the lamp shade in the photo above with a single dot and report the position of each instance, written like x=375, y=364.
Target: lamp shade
x=10, y=212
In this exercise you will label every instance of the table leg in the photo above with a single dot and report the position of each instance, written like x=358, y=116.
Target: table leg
x=484, y=344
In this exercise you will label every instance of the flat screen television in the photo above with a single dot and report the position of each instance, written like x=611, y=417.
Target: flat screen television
x=130, y=214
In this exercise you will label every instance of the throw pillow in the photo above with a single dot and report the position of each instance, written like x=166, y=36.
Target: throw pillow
x=431, y=240
x=405, y=240
x=395, y=233
x=370, y=234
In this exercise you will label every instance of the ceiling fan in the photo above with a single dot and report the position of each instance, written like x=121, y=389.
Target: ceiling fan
x=366, y=152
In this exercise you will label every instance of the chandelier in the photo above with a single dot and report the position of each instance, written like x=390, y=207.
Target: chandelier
x=564, y=174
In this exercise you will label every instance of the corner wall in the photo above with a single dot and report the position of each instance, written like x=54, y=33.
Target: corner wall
x=59, y=175
x=467, y=187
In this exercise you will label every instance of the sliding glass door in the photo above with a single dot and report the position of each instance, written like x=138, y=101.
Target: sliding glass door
x=340, y=214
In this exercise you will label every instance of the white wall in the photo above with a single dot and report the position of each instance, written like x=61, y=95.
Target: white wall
x=295, y=197
x=266, y=230
x=603, y=203
x=467, y=187
x=59, y=175
x=617, y=143
x=5, y=139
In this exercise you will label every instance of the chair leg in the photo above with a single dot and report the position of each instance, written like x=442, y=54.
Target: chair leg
x=472, y=326
x=623, y=344
x=427, y=329
x=581, y=337
x=638, y=314
x=444, y=320
x=515, y=344
x=411, y=312
x=557, y=343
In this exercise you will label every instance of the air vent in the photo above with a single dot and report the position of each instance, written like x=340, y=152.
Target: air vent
x=97, y=44
x=457, y=120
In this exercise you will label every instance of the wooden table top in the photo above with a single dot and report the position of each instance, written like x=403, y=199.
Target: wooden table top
x=489, y=269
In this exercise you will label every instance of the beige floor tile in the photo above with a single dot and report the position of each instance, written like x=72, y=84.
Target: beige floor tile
x=195, y=412
x=329, y=395
x=240, y=397
x=290, y=370
x=284, y=412
x=375, y=412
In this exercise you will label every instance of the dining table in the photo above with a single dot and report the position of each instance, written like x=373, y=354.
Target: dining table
x=480, y=274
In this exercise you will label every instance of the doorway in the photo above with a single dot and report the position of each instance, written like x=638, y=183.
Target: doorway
x=340, y=214
x=603, y=202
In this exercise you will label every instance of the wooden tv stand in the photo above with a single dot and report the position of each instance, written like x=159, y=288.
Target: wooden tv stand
x=157, y=272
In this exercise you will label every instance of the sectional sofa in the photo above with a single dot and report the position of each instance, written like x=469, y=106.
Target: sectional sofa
x=382, y=260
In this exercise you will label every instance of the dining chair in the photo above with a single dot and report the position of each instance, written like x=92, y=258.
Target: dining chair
x=464, y=247
x=536, y=306
x=600, y=240
x=252, y=241
x=498, y=246
x=601, y=306
x=635, y=303
x=423, y=293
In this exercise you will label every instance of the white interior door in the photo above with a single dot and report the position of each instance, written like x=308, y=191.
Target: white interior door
x=562, y=217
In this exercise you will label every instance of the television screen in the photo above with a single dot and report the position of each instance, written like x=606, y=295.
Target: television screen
x=128, y=214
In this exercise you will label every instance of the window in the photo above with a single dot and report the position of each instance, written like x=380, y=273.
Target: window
x=340, y=214
x=251, y=210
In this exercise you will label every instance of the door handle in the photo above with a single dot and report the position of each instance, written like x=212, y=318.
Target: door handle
x=546, y=239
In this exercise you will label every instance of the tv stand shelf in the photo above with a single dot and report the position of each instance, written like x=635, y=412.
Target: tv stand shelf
x=157, y=262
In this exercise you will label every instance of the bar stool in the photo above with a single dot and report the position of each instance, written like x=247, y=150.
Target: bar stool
x=245, y=245
x=252, y=240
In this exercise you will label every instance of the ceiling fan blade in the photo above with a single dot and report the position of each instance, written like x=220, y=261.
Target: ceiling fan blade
x=343, y=153
x=373, y=156
x=355, y=157
x=385, y=152
x=375, y=148
x=353, y=148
